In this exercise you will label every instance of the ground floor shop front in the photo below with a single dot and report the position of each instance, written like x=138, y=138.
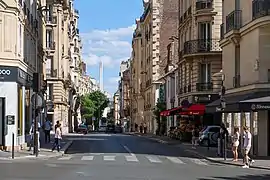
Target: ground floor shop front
x=251, y=109
x=15, y=106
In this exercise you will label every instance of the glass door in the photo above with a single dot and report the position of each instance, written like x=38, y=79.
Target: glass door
x=204, y=38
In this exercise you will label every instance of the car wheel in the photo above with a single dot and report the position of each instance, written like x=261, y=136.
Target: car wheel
x=204, y=143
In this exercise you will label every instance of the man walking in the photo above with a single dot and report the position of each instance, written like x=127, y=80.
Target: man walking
x=47, y=130
x=246, y=147
x=32, y=130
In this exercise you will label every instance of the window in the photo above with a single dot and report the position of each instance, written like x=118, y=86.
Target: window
x=49, y=12
x=50, y=92
x=49, y=38
x=268, y=75
x=205, y=73
x=49, y=65
x=204, y=30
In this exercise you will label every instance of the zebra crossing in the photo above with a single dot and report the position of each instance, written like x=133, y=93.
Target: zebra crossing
x=132, y=158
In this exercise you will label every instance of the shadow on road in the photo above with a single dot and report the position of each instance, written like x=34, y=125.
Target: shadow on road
x=123, y=144
x=245, y=177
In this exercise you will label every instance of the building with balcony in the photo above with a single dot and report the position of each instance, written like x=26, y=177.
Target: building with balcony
x=200, y=55
x=159, y=22
x=21, y=55
x=136, y=96
x=59, y=34
x=246, y=69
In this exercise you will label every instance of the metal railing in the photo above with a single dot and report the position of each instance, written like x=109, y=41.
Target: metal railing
x=234, y=21
x=201, y=46
x=260, y=8
x=204, y=4
x=204, y=86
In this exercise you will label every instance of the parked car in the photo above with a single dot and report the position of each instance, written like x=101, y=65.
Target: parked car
x=82, y=128
x=118, y=129
x=209, y=133
x=102, y=128
x=110, y=128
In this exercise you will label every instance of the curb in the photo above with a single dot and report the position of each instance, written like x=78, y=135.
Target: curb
x=41, y=156
x=66, y=146
x=224, y=162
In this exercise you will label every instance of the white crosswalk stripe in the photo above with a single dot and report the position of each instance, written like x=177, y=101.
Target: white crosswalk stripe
x=87, y=158
x=109, y=158
x=175, y=160
x=199, y=162
x=153, y=159
x=132, y=158
x=64, y=158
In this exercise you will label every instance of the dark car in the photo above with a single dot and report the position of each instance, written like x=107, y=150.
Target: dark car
x=110, y=128
x=118, y=129
x=82, y=128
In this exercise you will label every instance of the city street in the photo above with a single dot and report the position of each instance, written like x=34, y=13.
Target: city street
x=124, y=157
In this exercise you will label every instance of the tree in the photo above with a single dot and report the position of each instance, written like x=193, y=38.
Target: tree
x=93, y=105
x=160, y=106
x=100, y=102
x=87, y=107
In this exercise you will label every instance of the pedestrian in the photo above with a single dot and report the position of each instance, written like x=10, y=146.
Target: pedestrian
x=235, y=143
x=57, y=138
x=246, y=147
x=193, y=141
x=47, y=130
x=32, y=130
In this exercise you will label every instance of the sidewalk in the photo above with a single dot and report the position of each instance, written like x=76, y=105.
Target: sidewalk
x=45, y=150
x=209, y=154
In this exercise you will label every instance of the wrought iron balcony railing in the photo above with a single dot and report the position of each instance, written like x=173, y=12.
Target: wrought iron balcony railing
x=51, y=20
x=204, y=86
x=51, y=73
x=201, y=46
x=234, y=21
x=260, y=8
x=204, y=4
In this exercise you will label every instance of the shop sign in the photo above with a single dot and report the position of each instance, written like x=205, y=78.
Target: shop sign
x=260, y=107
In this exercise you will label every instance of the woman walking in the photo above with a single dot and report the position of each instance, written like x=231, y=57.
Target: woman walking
x=235, y=144
x=57, y=138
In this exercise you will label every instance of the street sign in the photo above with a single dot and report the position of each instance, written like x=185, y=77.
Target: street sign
x=37, y=101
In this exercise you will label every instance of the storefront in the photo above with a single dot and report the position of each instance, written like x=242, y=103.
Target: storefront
x=15, y=109
x=251, y=109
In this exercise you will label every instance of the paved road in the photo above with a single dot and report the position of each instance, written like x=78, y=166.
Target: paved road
x=122, y=157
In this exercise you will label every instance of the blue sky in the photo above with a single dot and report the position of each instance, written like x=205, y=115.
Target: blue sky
x=106, y=27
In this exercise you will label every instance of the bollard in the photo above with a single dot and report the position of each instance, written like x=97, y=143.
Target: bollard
x=12, y=150
x=208, y=141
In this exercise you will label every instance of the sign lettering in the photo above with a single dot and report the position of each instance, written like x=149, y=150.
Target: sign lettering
x=5, y=72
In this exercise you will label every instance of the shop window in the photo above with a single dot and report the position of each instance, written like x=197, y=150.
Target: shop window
x=20, y=111
x=27, y=117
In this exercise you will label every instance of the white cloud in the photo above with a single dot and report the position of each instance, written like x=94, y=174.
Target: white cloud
x=109, y=46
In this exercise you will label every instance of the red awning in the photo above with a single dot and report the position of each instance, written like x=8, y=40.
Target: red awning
x=194, y=109
x=170, y=112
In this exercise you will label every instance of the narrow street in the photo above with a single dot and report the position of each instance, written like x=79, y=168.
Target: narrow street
x=124, y=157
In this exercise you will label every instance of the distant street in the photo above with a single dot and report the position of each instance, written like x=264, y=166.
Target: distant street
x=123, y=157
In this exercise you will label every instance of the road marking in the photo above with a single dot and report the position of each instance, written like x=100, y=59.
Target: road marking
x=87, y=158
x=128, y=150
x=175, y=160
x=64, y=158
x=153, y=159
x=132, y=158
x=96, y=153
x=109, y=158
x=199, y=162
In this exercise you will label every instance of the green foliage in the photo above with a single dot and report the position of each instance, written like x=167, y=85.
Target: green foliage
x=93, y=104
x=161, y=121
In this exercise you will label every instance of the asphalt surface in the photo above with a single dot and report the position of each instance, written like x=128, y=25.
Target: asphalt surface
x=123, y=157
